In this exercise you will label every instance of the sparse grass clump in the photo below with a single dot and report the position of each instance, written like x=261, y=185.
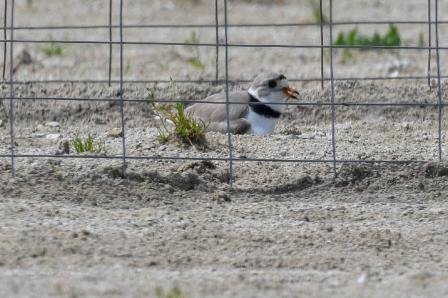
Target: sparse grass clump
x=88, y=144
x=173, y=293
x=392, y=38
x=353, y=38
x=175, y=123
x=421, y=40
x=185, y=128
x=52, y=49
x=315, y=6
x=195, y=59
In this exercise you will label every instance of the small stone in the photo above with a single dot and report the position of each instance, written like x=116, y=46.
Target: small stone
x=362, y=279
x=221, y=196
x=64, y=146
x=38, y=135
x=1, y=122
x=52, y=124
x=115, y=133
x=53, y=136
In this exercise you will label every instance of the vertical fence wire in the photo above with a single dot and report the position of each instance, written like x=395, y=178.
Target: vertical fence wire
x=439, y=87
x=321, y=46
x=429, y=42
x=121, y=90
x=229, y=137
x=5, y=15
x=11, y=90
x=333, y=108
x=217, y=41
x=110, y=42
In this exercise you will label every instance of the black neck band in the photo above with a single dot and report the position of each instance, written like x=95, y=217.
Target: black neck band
x=262, y=109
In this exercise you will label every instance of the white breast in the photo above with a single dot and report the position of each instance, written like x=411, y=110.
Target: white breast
x=260, y=125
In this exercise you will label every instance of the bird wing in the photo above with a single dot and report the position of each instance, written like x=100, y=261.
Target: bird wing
x=216, y=112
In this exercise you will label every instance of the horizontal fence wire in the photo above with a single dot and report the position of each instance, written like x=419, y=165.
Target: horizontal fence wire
x=80, y=81
x=232, y=45
x=226, y=159
x=120, y=97
x=146, y=101
x=188, y=26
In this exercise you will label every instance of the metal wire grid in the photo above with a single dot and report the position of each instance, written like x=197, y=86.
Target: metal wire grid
x=230, y=159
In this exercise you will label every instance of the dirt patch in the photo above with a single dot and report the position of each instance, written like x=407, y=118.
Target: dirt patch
x=81, y=227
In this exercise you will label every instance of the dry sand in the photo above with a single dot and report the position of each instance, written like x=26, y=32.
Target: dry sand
x=77, y=228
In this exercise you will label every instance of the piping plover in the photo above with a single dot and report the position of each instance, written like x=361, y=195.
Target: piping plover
x=257, y=111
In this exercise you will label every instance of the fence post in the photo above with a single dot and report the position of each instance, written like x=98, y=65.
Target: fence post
x=121, y=90
x=333, y=109
x=429, y=42
x=4, y=39
x=11, y=90
x=229, y=137
x=110, y=42
x=439, y=87
x=321, y=46
x=217, y=41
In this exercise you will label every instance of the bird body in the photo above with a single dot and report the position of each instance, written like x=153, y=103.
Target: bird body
x=256, y=110
x=260, y=125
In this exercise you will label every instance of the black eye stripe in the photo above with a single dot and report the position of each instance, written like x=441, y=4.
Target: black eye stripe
x=281, y=77
x=272, y=84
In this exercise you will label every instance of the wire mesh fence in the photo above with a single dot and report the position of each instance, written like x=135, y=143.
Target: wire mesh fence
x=116, y=32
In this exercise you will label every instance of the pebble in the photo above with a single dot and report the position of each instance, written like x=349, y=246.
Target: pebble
x=64, y=146
x=308, y=136
x=362, y=279
x=52, y=124
x=115, y=133
x=38, y=135
x=53, y=136
x=221, y=196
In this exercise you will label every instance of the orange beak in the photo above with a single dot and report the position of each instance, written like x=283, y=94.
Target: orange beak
x=290, y=92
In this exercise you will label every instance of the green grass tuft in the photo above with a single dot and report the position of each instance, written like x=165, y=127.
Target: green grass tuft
x=196, y=63
x=175, y=123
x=315, y=6
x=173, y=293
x=53, y=49
x=88, y=144
x=186, y=129
x=421, y=40
x=353, y=38
x=195, y=59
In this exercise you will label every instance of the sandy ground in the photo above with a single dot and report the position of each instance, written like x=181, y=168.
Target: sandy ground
x=78, y=228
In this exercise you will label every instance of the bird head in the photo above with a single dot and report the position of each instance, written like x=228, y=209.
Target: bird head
x=272, y=87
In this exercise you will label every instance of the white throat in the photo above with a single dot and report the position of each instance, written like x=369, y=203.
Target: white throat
x=261, y=125
x=273, y=97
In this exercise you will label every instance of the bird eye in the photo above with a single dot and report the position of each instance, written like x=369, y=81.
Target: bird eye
x=272, y=84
